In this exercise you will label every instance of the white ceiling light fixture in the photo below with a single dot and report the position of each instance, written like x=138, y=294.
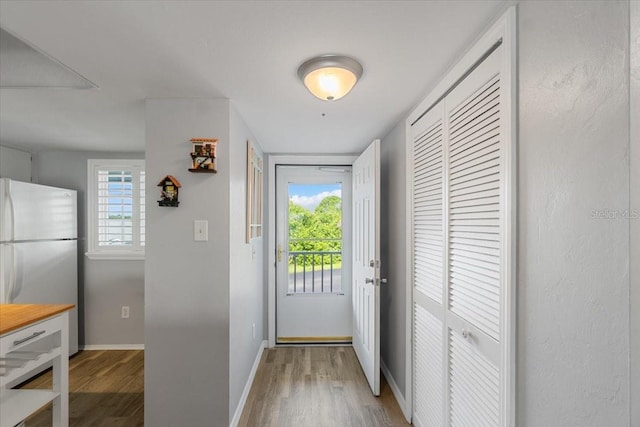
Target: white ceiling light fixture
x=330, y=77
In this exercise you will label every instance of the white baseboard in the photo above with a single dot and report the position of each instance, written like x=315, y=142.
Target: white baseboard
x=112, y=347
x=247, y=387
x=396, y=391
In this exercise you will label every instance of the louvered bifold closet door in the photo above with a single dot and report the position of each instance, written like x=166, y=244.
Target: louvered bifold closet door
x=429, y=271
x=474, y=121
x=459, y=279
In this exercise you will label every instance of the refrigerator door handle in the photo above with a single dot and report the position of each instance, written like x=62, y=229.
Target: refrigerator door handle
x=12, y=274
x=7, y=273
x=12, y=211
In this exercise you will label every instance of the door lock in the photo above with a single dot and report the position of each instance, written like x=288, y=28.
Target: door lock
x=279, y=253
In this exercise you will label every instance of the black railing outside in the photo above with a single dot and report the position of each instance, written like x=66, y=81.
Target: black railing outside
x=309, y=272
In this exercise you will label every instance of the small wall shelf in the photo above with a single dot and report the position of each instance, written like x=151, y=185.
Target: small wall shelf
x=203, y=170
x=203, y=155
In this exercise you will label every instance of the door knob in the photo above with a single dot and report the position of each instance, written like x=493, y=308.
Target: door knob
x=369, y=280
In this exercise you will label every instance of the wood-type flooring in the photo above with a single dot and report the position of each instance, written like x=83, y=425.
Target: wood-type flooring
x=294, y=386
x=106, y=389
x=316, y=387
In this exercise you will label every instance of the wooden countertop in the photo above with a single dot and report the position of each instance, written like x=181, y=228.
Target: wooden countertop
x=16, y=316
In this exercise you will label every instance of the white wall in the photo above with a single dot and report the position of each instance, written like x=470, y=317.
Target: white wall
x=103, y=286
x=634, y=165
x=393, y=253
x=573, y=269
x=187, y=282
x=246, y=284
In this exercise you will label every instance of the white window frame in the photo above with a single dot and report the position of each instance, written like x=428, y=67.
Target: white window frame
x=96, y=252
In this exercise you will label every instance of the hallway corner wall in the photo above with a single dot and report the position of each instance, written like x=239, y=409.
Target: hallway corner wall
x=393, y=239
x=187, y=281
x=246, y=282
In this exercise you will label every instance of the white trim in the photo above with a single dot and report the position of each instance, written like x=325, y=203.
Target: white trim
x=503, y=28
x=507, y=25
x=274, y=160
x=115, y=256
x=247, y=387
x=402, y=403
x=97, y=347
x=480, y=46
x=409, y=269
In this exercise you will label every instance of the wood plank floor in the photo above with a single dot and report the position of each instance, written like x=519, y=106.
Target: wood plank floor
x=294, y=386
x=106, y=388
x=316, y=387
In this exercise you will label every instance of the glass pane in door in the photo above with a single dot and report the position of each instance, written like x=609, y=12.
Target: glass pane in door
x=315, y=238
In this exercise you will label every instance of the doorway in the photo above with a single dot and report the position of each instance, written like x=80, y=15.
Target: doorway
x=361, y=212
x=313, y=254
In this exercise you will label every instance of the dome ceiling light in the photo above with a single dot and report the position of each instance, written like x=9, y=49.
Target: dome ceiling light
x=330, y=77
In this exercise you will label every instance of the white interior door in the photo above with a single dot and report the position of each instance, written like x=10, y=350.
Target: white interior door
x=313, y=253
x=366, y=263
x=461, y=256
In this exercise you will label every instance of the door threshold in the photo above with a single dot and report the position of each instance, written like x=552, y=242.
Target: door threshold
x=313, y=340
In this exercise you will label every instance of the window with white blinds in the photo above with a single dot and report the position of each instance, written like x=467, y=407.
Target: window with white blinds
x=116, y=208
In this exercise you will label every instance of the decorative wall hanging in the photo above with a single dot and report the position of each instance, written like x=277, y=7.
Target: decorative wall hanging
x=254, y=193
x=203, y=155
x=169, y=191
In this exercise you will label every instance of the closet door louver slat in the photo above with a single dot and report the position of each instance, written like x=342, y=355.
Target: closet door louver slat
x=474, y=385
x=428, y=368
x=476, y=212
x=427, y=195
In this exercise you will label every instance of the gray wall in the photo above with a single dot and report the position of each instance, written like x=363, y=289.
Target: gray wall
x=573, y=269
x=246, y=284
x=103, y=286
x=393, y=239
x=202, y=298
x=15, y=164
x=634, y=256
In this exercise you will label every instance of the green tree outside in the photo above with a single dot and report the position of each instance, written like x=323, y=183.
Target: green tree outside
x=314, y=230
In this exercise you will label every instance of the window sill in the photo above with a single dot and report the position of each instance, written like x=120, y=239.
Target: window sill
x=115, y=256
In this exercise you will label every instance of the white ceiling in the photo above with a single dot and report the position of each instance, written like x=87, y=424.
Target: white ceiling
x=245, y=51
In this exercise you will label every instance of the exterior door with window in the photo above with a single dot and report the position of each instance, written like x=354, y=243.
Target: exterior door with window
x=313, y=214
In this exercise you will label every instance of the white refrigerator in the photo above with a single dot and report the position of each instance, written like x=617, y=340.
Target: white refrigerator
x=38, y=247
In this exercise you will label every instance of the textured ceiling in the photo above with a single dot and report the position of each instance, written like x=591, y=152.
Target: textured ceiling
x=245, y=51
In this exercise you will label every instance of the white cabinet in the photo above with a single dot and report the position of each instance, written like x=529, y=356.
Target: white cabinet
x=22, y=351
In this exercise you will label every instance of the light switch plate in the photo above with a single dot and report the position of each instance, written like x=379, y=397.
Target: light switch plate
x=200, y=230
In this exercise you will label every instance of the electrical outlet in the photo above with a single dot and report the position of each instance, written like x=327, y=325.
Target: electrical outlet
x=253, y=330
x=125, y=311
